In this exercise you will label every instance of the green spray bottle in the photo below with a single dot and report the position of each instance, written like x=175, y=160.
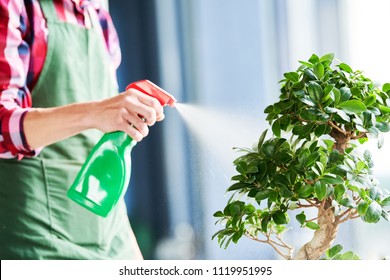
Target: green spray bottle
x=105, y=175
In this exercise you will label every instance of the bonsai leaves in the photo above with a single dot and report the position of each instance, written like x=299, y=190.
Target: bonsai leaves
x=327, y=112
x=317, y=98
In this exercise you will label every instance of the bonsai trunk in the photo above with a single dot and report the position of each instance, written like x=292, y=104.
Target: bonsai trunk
x=323, y=237
x=342, y=139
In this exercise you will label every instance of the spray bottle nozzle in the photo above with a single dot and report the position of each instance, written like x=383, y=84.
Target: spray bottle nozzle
x=149, y=88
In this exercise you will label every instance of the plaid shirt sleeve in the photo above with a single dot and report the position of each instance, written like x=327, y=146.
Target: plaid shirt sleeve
x=15, y=98
x=22, y=55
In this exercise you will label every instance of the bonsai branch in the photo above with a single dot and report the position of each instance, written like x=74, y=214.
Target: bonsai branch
x=359, y=136
x=338, y=129
x=347, y=215
x=311, y=220
x=305, y=205
x=277, y=246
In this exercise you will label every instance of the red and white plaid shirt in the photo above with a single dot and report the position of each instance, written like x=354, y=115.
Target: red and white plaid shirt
x=23, y=46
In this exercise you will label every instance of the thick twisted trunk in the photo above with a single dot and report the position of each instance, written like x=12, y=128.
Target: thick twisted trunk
x=323, y=237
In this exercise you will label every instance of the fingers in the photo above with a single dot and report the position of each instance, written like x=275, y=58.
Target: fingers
x=153, y=103
x=142, y=111
x=136, y=129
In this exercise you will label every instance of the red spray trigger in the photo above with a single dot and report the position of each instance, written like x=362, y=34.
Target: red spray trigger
x=147, y=87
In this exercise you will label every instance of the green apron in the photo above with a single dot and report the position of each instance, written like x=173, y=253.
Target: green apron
x=37, y=220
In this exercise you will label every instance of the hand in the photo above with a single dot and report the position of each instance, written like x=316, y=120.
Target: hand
x=131, y=112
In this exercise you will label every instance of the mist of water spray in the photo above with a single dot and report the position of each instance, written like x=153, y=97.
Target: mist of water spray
x=218, y=132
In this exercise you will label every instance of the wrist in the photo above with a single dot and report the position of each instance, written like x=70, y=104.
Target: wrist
x=87, y=114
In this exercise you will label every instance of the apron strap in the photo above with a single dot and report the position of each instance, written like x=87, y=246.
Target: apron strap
x=50, y=14
x=49, y=11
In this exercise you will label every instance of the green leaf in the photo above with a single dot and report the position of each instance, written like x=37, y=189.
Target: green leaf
x=345, y=94
x=308, y=115
x=386, y=87
x=271, y=169
x=384, y=109
x=320, y=167
x=356, y=92
x=269, y=109
x=315, y=91
x=308, y=101
x=337, y=95
x=261, y=140
x=329, y=143
x=292, y=76
x=276, y=128
x=262, y=167
x=312, y=225
x=362, y=193
x=249, y=209
x=386, y=215
x=241, y=167
x=370, y=100
x=332, y=179
x=285, y=192
x=339, y=191
x=329, y=56
x=354, y=106
x=363, y=140
x=301, y=218
x=219, y=214
x=227, y=242
x=373, y=213
x=308, y=64
x=345, y=67
x=343, y=115
x=238, y=178
x=362, y=208
x=318, y=70
x=311, y=159
x=238, y=186
x=305, y=191
x=349, y=256
x=386, y=201
x=306, y=129
x=268, y=149
x=334, y=251
x=383, y=126
x=264, y=222
x=329, y=190
x=299, y=93
x=328, y=89
x=375, y=193
x=374, y=131
x=360, y=165
x=347, y=202
x=252, y=168
x=261, y=195
x=279, y=217
x=281, y=180
x=314, y=58
x=236, y=207
x=310, y=74
x=236, y=236
x=320, y=190
x=273, y=196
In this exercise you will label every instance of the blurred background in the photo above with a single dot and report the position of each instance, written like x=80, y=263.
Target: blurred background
x=225, y=57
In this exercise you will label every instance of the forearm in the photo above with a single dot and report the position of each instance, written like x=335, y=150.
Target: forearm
x=45, y=126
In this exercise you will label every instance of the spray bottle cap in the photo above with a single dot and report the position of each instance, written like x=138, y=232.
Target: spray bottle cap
x=149, y=88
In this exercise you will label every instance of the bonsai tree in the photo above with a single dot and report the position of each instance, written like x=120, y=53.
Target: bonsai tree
x=311, y=161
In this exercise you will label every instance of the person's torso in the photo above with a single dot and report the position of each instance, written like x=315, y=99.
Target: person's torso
x=34, y=30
